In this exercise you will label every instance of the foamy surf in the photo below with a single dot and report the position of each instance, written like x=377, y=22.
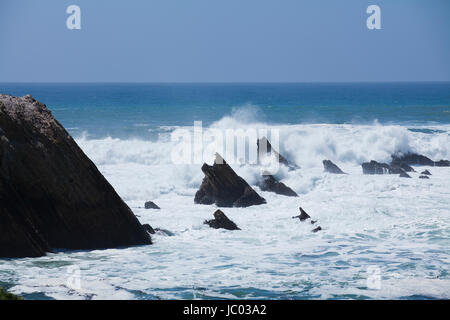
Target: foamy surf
x=398, y=227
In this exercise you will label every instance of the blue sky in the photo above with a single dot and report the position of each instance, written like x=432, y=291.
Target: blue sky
x=224, y=41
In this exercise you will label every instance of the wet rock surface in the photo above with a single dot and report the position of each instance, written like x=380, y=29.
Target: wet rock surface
x=330, y=167
x=269, y=183
x=225, y=188
x=51, y=194
x=151, y=205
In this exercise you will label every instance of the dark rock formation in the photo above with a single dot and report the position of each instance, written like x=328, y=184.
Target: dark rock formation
x=265, y=149
x=51, y=194
x=303, y=215
x=442, y=163
x=404, y=166
x=225, y=188
x=148, y=228
x=221, y=221
x=151, y=205
x=317, y=229
x=426, y=172
x=269, y=183
x=331, y=167
x=374, y=167
x=424, y=177
x=418, y=159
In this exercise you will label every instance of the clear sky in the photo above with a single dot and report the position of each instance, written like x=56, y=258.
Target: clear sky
x=224, y=41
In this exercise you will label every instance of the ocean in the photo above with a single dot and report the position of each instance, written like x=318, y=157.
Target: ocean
x=382, y=237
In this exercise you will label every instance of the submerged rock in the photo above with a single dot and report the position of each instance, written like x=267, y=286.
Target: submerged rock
x=221, y=221
x=418, y=159
x=151, y=205
x=269, y=183
x=317, y=229
x=424, y=177
x=331, y=167
x=426, y=172
x=164, y=232
x=51, y=194
x=265, y=149
x=225, y=188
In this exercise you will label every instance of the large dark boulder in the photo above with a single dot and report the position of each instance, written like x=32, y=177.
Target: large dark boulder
x=331, y=167
x=269, y=183
x=265, y=149
x=225, y=188
x=418, y=159
x=221, y=221
x=426, y=172
x=51, y=194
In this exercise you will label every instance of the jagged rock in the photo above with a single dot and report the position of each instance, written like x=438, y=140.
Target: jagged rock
x=317, y=229
x=426, y=172
x=331, y=167
x=424, y=177
x=221, y=221
x=148, y=228
x=418, y=159
x=442, y=163
x=303, y=215
x=225, y=188
x=404, y=166
x=269, y=183
x=265, y=149
x=374, y=167
x=151, y=205
x=51, y=194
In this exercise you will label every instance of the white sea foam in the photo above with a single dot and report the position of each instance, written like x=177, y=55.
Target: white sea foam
x=401, y=226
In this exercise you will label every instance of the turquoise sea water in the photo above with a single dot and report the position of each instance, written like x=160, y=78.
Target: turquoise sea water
x=124, y=110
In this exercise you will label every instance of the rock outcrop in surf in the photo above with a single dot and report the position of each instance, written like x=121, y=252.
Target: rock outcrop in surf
x=374, y=167
x=221, y=221
x=151, y=205
x=51, y=194
x=225, y=188
x=331, y=167
x=269, y=183
x=265, y=149
x=418, y=160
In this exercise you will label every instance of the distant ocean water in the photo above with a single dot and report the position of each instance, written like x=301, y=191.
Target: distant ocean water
x=398, y=227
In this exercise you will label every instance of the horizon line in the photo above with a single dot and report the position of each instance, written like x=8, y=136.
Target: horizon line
x=223, y=82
